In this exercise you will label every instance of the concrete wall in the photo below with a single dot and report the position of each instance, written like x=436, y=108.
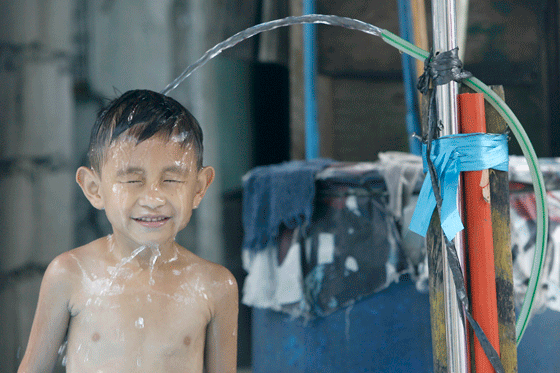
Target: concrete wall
x=36, y=122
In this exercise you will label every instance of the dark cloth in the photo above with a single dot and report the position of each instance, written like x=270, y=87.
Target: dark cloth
x=275, y=195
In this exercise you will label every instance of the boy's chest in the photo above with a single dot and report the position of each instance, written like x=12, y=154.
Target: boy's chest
x=139, y=316
x=156, y=292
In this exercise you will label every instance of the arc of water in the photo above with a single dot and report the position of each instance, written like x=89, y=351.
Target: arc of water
x=345, y=22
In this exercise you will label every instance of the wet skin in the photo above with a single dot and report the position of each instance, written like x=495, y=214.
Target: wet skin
x=157, y=318
x=136, y=301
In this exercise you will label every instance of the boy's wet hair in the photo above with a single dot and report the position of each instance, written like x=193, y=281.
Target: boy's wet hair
x=141, y=114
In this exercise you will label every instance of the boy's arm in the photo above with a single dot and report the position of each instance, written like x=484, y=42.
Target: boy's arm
x=221, y=334
x=51, y=318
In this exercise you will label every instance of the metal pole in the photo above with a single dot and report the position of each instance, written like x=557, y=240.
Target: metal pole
x=445, y=39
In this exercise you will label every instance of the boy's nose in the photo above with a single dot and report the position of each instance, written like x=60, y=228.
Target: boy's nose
x=152, y=197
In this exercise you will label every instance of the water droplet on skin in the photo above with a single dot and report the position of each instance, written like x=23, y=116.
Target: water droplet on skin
x=64, y=361
x=149, y=298
x=139, y=323
x=62, y=348
x=111, y=243
x=180, y=138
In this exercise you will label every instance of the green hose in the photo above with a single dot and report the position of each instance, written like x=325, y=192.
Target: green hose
x=536, y=176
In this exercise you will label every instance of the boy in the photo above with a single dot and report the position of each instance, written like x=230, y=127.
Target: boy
x=135, y=301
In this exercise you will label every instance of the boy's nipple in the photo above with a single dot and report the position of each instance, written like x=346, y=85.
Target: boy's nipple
x=187, y=341
x=95, y=337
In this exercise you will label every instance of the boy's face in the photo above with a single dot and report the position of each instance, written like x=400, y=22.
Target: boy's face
x=148, y=190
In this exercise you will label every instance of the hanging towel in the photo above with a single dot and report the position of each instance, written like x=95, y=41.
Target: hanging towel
x=275, y=195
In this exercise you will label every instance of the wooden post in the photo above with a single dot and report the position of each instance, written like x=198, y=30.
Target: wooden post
x=499, y=195
x=437, y=310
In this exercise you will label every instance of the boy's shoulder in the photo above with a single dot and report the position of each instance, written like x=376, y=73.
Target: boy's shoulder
x=211, y=269
x=215, y=276
x=71, y=262
x=65, y=271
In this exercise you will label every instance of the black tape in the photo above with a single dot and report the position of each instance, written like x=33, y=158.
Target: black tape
x=442, y=69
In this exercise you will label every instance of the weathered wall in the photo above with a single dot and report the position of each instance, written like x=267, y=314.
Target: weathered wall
x=36, y=120
x=511, y=43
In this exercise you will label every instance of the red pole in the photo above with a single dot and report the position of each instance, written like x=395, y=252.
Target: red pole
x=480, y=247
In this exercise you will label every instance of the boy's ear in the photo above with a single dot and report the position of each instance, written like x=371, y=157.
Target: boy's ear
x=204, y=179
x=90, y=183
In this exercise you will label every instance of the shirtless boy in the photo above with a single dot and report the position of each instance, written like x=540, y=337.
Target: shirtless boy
x=136, y=301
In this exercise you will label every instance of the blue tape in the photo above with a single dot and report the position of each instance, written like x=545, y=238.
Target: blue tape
x=451, y=155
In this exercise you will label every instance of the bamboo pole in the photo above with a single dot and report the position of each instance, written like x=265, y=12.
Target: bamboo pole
x=499, y=196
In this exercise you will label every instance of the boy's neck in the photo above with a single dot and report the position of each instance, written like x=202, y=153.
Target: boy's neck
x=150, y=255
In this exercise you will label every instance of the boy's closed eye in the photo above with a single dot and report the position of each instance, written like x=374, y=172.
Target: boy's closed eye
x=130, y=180
x=140, y=181
x=130, y=175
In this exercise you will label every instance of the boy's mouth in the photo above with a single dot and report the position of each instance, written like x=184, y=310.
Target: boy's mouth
x=152, y=221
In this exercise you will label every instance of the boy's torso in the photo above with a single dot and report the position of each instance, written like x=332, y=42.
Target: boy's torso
x=128, y=318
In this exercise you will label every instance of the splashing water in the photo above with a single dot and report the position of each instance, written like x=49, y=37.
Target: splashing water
x=155, y=255
x=119, y=268
x=345, y=22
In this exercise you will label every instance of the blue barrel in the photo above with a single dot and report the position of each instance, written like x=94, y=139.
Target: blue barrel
x=388, y=331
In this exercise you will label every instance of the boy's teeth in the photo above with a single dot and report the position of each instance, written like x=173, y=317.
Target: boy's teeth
x=152, y=219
